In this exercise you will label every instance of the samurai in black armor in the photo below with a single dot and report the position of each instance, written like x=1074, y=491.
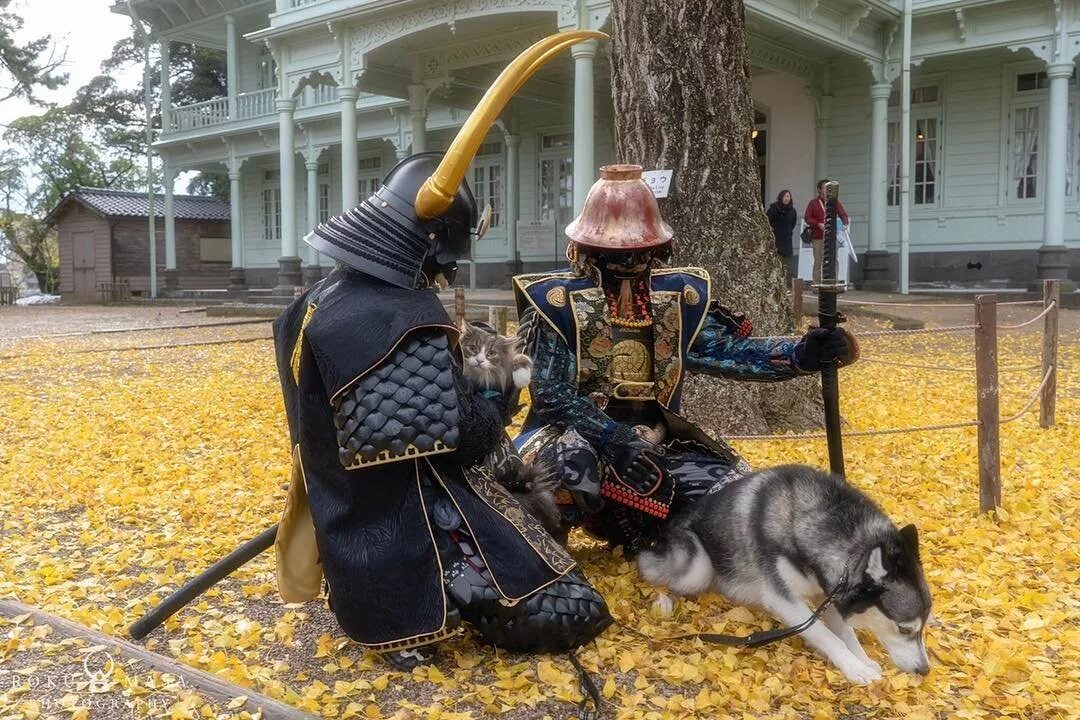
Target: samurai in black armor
x=612, y=340
x=390, y=502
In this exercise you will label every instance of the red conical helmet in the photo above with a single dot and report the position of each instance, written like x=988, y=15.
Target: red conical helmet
x=620, y=213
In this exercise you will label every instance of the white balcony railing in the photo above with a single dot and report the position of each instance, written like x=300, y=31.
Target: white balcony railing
x=302, y=3
x=318, y=95
x=199, y=115
x=256, y=104
x=249, y=105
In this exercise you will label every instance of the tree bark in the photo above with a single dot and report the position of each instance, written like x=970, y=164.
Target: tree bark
x=680, y=76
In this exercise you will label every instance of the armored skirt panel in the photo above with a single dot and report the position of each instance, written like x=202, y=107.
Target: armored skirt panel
x=381, y=430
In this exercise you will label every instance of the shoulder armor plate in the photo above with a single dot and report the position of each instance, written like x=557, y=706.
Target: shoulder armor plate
x=404, y=408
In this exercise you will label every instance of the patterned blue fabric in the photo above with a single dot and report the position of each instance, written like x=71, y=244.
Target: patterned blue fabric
x=555, y=398
x=720, y=352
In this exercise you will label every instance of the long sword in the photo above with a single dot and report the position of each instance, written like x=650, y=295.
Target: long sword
x=828, y=317
x=203, y=582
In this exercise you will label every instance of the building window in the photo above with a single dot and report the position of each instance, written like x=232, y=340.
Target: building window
x=487, y=180
x=371, y=175
x=925, y=149
x=1025, y=153
x=893, y=161
x=271, y=211
x=1070, y=153
x=759, y=137
x=557, y=141
x=267, y=70
x=556, y=179
x=324, y=201
x=926, y=138
x=1026, y=82
x=923, y=95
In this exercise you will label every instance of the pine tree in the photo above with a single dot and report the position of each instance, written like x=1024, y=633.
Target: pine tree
x=23, y=68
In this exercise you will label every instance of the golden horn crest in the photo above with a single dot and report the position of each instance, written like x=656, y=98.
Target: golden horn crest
x=437, y=193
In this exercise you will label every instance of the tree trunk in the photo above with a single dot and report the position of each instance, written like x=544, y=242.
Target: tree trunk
x=680, y=76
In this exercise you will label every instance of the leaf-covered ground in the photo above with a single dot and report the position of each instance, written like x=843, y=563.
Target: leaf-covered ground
x=122, y=474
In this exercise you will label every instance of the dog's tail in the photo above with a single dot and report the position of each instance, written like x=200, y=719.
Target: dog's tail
x=677, y=561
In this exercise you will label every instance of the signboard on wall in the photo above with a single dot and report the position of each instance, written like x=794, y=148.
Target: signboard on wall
x=659, y=181
x=535, y=237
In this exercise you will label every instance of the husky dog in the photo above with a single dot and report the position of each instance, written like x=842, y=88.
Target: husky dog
x=783, y=538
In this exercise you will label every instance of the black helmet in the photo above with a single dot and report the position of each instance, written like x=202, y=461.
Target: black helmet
x=424, y=217
x=383, y=236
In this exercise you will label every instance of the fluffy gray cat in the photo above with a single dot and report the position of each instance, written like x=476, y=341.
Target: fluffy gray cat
x=495, y=362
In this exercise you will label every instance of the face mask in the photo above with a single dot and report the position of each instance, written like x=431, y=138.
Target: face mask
x=626, y=263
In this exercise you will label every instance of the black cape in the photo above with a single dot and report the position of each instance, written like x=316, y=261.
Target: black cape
x=375, y=540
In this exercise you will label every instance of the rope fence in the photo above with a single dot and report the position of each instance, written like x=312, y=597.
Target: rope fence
x=900, y=431
x=1049, y=308
x=986, y=369
x=942, y=368
x=142, y=328
x=930, y=305
x=130, y=348
x=986, y=372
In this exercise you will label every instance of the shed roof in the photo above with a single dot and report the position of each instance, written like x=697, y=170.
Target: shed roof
x=125, y=203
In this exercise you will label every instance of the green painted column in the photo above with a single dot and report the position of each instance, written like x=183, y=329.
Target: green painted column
x=1053, y=258
x=584, y=120
x=350, y=159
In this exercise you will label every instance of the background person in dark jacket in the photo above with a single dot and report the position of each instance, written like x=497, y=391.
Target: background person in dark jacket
x=783, y=218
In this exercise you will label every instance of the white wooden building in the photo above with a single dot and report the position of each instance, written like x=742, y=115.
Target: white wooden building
x=325, y=95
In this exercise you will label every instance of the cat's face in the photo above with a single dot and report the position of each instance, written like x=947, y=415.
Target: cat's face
x=488, y=357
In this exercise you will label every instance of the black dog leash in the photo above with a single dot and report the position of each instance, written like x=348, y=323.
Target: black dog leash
x=753, y=640
x=589, y=692
x=757, y=639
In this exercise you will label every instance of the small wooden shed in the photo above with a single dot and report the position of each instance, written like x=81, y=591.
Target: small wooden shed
x=103, y=242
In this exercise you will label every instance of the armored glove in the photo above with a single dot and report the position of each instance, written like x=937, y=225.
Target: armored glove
x=822, y=345
x=635, y=463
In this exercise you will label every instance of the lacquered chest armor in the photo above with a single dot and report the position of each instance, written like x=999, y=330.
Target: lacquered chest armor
x=632, y=354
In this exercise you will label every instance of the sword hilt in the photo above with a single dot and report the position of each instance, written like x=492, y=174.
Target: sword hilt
x=829, y=286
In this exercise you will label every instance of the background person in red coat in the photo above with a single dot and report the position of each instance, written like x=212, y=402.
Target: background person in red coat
x=815, y=218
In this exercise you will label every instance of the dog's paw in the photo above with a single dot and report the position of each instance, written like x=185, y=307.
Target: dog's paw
x=859, y=672
x=663, y=606
x=873, y=665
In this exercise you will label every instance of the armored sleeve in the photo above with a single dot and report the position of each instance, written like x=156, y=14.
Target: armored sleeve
x=482, y=419
x=405, y=407
x=723, y=348
x=555, y=398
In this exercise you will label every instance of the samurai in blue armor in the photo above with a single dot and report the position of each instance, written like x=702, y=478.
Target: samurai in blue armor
x=612, y=340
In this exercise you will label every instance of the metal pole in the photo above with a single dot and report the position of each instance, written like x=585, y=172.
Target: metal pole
x=459, y=306
x=796, y=302
x=905, y=152
x=1048, y=398
x=148, y=102
x=986, y=381
x=500, y=319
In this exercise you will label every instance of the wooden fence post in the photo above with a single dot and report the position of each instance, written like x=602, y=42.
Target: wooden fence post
x=459, y=306
x=986, y=382
x=796, y=301
x=1048, y=398
x=500, y=319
